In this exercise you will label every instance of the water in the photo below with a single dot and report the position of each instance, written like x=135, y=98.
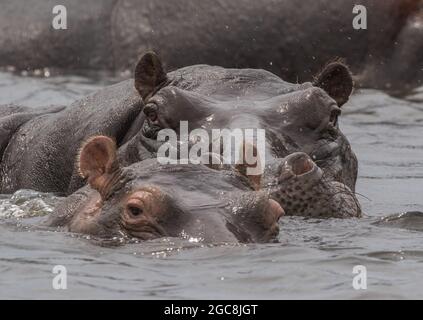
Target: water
x=314, y=258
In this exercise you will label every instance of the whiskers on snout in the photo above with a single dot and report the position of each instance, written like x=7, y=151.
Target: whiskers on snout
x=304, y=189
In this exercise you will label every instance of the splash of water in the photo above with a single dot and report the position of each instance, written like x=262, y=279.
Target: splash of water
x=26, y=203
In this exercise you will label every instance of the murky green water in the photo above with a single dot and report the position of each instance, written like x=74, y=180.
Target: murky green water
x=314, y=258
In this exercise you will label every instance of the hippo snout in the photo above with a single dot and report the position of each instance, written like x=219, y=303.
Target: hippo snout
x=303, y=189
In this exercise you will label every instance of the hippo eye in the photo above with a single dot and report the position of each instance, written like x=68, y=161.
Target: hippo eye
x=135, y=211
x=150, y=110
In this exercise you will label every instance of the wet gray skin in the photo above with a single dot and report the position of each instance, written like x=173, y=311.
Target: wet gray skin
x=310, y=167
x=149, y=200
x=38, y=146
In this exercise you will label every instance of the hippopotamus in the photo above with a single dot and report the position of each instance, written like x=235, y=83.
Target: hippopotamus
x=148, y=200
x=309, y=170
x=289, y=38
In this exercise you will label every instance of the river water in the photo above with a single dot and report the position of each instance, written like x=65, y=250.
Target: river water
x=314, y=259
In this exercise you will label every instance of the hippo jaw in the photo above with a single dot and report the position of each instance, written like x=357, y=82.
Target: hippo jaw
x=303, y=189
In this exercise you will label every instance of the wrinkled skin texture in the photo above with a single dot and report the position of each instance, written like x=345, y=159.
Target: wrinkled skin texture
x=293, y=39
x=311, y=193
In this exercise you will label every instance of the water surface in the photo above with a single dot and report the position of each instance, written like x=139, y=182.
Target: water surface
x=314, y=258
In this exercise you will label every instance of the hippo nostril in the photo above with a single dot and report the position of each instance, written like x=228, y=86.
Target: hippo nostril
x=297, y=164
x=302, y=165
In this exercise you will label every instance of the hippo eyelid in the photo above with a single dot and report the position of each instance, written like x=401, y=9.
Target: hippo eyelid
x=135, y=201
x=141, y=200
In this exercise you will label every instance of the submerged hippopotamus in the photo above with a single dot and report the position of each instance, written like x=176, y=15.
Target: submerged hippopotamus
x=148, y=200
x=290, y=38
x=310, y=169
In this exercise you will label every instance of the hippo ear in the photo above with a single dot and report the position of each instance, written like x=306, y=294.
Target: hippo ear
x=149, y=74
x=97, y=161
x=337, y=81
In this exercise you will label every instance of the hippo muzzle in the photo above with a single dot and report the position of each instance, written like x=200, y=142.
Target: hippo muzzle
x=303, y=189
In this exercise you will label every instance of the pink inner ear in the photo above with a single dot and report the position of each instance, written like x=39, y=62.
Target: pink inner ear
x=97, y=156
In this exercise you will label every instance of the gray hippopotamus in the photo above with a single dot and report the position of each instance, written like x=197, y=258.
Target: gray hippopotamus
x=148, y=200
x=309, y=166
x=290, y=38
x=309, y=170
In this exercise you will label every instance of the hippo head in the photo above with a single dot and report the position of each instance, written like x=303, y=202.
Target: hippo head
x=296, y=118
x=148, y=200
